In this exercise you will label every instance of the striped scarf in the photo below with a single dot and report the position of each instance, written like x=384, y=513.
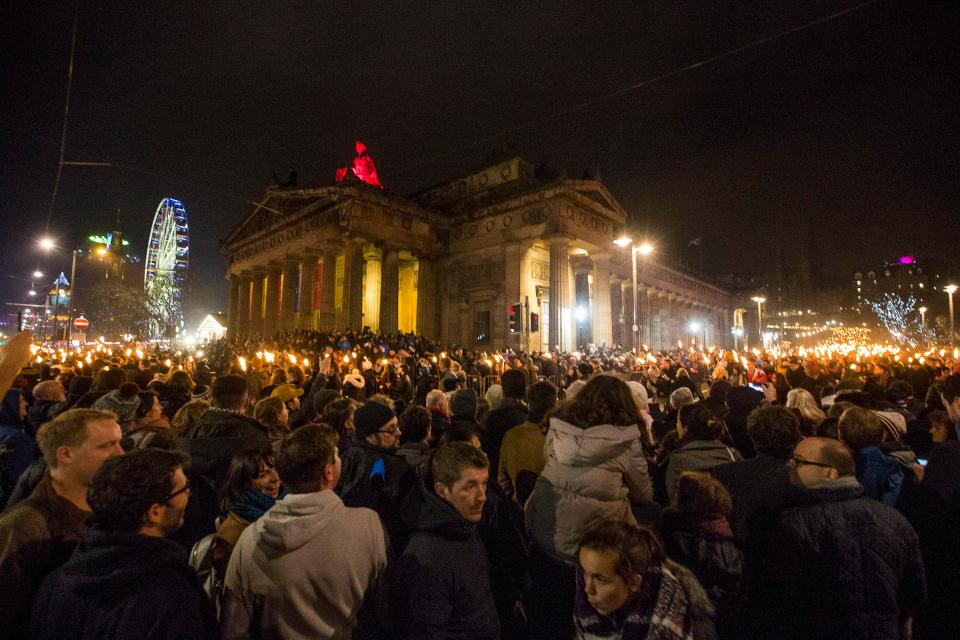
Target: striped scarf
x=663, y=617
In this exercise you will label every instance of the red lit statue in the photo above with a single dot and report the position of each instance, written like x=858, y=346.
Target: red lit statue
x=363, y=167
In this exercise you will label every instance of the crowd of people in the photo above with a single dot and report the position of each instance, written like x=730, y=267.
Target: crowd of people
x=361, y=485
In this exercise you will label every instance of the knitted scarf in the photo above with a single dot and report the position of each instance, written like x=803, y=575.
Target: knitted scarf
x=660, y=617
x=253, y=504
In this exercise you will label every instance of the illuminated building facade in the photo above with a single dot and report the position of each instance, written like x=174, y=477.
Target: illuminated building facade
x=450, y=261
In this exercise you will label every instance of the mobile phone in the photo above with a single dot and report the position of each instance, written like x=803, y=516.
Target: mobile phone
x=758, y=387
x=922, y=461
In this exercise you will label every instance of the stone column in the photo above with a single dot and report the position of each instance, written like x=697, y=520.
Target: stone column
x=626, y=292
x=373, y=258
x=233, y=304
x=256, y=302
x=328, y=289
x=288, y=314
x=600, y=311
x=617, y=311
x=428, y=302
x=271, y=321
x=352, y=287
x=389, y=290
x=243, y=305
x=559, y=295
x=308, y=265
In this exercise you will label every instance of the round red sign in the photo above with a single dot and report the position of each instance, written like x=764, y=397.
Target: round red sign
x=80, y=323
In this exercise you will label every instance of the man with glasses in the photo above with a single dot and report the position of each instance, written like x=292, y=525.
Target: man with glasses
x=373, y=475
x=126, y=580
x=844, y=566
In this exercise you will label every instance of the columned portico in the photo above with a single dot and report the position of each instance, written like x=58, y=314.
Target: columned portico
x=352, y=301
x=233, y=303
x=389, y=290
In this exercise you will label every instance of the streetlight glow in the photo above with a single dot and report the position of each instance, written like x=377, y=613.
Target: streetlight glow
x=950, y=288
x=622, y=241
x=46, y=244
x=645, y=249
x=37, y=274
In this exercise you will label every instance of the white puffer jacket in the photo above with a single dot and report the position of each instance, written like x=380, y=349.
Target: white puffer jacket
x=589, y=473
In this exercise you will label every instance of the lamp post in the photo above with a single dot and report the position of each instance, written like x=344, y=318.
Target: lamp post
x=644, y=249
x=759, y=300
x=951, y=289
x=47, y=244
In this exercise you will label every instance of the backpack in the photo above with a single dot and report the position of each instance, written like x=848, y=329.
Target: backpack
x=201, y=560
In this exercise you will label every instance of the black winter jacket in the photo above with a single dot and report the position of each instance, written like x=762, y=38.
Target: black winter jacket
x=845, y=567
x=377, y=479
x=123, y=586
x=217, y=437
x=441, y=582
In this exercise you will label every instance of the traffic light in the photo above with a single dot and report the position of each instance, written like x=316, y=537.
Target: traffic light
x=534, y=322
x=513, y=312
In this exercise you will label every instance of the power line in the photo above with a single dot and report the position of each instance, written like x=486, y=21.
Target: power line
x=646, y=83
x=66, y=117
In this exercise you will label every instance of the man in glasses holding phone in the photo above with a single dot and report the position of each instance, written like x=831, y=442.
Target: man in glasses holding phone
x=845, y=566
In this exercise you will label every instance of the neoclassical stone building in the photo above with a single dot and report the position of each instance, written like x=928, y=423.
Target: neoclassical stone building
x=450, y=261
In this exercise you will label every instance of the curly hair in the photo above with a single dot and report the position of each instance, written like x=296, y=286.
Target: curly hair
x=188, y=415
x=774, y=429
x=605, y=399
x=125, y=487
x=414, y=424
x=638, y=547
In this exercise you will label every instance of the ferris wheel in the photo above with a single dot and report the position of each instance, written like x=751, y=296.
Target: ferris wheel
x=166, y=265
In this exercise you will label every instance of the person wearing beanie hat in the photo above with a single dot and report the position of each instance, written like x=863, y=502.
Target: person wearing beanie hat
x=372, y=474
x=509, y=414
x=716, y=399
x=123, y=402
x=521, y=454
x=680, y=398
x=463, y=409
x=290, y=395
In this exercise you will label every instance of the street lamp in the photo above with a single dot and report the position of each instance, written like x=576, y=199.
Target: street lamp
x=759, y=300
x=644, y=249
x=923, y=316
x=951, y=289
x=47, y=244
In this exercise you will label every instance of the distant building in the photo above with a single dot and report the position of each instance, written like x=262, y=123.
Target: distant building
x=210, y=329
x=502, y=256
x=904, y=276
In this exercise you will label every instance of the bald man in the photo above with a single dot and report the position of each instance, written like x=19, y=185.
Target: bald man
x=48, y=399
x=843, y=566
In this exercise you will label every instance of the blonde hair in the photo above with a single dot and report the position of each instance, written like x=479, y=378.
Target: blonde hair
x=802, y=400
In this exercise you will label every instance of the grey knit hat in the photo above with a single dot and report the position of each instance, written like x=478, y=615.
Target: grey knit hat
x=123, y=402
x=680, y=398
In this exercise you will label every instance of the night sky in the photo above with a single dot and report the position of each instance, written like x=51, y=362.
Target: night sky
x=851, y=124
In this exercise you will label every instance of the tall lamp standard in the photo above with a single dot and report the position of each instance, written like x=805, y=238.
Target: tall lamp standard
x=47, y=244
x=951, y=289
x=759, y=300
x=644, y=249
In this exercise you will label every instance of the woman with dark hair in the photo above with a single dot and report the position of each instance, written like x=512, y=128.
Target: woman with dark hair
x=273, y=412
x=188, y=416
x=595, y=468
x=704, y=443
x=176, y=392
x=250, y=488
x=104, y=382
x=149, y=423
x=339, y=415
x=628, y=589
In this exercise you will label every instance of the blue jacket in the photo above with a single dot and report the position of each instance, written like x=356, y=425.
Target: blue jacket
x=881, y=475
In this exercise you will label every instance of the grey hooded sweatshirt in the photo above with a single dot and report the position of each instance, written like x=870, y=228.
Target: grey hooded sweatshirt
x=590, y=473
x=302, y=569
